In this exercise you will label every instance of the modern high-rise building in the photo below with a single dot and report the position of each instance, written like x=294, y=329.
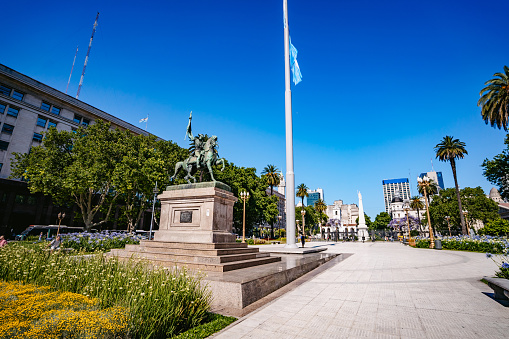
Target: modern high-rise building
x=436, y=177
x=313, y=196
x=395, y=187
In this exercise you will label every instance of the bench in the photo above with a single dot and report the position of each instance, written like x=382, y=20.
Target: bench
x=500, y=286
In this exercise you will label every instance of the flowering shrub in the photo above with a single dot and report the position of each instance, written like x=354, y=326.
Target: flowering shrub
x=502, y=263
x=472, y=244
x=90, y=242
x=160, y=302
x=27, y=311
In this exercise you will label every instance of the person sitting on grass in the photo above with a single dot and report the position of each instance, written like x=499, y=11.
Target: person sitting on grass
x=3, y=242
x=55, y=244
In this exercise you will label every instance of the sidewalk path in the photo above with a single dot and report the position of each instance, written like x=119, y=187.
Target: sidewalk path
x=385, y=290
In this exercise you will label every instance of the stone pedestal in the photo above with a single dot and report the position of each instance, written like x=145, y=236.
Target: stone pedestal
x=196, y=213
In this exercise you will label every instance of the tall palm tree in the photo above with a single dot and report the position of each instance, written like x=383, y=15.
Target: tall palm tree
x=494, y=100
x=302, y=191
x=450, y=149
x=417, y=204
x=273, y=179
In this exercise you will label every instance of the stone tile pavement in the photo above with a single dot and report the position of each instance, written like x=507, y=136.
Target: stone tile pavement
x=385, y=290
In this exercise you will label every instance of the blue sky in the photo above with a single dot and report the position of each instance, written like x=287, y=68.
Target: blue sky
x=383, y=82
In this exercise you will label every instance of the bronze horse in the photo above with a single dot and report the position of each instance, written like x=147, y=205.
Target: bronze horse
x=210, y=158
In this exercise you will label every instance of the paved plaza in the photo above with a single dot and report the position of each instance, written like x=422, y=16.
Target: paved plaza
x=384, y=290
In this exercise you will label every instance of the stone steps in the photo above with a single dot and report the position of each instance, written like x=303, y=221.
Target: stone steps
x=260, y=259
x=215, y=257
x=189, y=251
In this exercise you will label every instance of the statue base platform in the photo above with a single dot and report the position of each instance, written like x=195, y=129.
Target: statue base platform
x=197, y=213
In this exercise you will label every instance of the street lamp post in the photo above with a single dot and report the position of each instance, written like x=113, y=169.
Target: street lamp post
x=155, y=191
x=244, y=195
x=279, y=217
x=303, y=213
x=60, y=217
x=406, y=209
x=448, y=224
x=424, y=183
x=465, y=212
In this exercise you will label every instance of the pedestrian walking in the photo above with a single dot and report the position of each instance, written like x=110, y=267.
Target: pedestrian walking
x=302, y=239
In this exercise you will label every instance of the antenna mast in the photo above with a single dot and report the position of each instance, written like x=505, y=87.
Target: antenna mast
x=86, y=58
x=68, y=81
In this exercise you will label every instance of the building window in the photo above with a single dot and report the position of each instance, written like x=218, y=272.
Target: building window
x=45, y=106
x=55, y=110
x=1, y=166
x=85, y=122
x=4, y=145
x=41, y=122
x=5, y=90
x=37, y=137
x=52, y=124
x=6, y=128
x=2, y=108
x=13, y=112
x=17, y=95
x=77, y=118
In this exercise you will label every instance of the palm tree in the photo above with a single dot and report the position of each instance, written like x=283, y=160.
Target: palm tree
x=431, y=190
x=320, y=207
x=302, y=191
x=494, y=100
x=417, y=204
x=450, y=149
x=271, y=175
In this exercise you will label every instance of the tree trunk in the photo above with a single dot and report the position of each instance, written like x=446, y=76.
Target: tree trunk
x=462, y=218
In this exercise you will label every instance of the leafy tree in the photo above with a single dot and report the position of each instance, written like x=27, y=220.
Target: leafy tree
x=145, y=161
x=494, y=100
x=474, y=200
x=450, y=149
x=242, y=178
x=401, y=225
x=497, y=227
x=302, y=191
x=382, y=221
x=497, y=170
x=272, y=178
x=369, y=223
x=321, y=207
x=74, y=167
x=311, y=217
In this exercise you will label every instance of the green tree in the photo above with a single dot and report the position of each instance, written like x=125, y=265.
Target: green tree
x=497, y=227
x=302, y=191
x=321, y=207
x=310, y=217
x=450, y=149
x=494, y=100
x=74, y=167
x=145, y=161
x=497, y=170
x=382, y=221
x=369, y=223
x=474, y=200
x=272, y=177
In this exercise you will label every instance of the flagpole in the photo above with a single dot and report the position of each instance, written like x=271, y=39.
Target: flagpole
x=290, y=176
x=146, y=123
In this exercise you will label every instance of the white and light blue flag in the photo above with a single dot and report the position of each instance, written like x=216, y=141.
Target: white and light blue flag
x=294, y=65
x=144, y=120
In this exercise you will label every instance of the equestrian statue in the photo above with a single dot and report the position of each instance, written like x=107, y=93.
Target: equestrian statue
x=202, y=154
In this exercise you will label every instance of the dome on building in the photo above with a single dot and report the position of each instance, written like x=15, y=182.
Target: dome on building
x=494, y=193
x=396, y=199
